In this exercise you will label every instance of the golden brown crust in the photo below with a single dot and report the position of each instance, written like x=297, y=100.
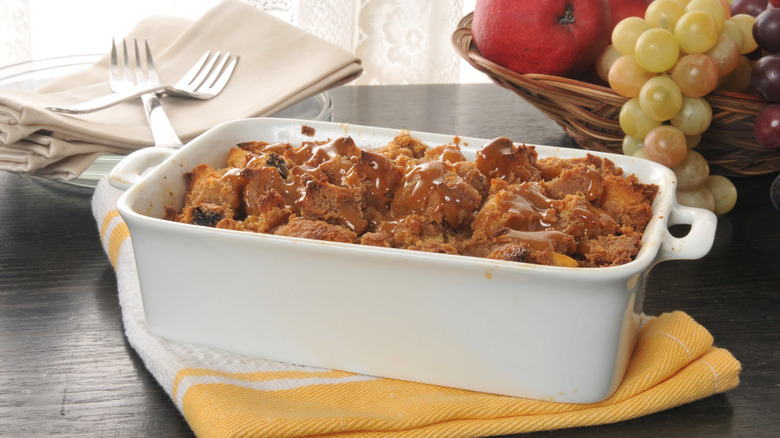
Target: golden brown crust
x=316, y=230
x=628, y=201
x=505, y=205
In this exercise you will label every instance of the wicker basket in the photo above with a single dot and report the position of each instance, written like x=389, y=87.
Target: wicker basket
x=589, y=113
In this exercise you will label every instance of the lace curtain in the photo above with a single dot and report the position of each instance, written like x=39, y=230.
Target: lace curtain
x=399, y=41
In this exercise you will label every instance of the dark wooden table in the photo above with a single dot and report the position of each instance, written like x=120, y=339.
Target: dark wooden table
x=67, y=370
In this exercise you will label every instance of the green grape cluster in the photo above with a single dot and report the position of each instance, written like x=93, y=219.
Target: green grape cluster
x=665, y=64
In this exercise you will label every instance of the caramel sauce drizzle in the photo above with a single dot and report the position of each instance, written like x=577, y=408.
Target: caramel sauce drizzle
x=430, y=185
x=530, y=218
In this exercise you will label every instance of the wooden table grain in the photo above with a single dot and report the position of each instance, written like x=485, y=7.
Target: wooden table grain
x=66, y=368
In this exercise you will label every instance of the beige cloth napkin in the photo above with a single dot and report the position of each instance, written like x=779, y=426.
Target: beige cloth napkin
x=279, y=65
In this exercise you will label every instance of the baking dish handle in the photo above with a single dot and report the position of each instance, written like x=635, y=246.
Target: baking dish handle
x=697, y=243
x=130, y=170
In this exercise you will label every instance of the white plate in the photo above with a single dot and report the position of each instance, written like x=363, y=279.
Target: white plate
x=33, y=74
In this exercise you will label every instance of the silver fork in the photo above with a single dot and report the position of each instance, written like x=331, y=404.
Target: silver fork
x=205, y=80
x=121, y=79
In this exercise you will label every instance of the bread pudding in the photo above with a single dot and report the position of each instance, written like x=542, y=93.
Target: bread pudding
x=506, y=204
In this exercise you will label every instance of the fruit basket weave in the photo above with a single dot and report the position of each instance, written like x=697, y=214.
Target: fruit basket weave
x=589, y=113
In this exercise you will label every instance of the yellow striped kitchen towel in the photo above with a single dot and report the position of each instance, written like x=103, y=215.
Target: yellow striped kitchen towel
x=226, y=395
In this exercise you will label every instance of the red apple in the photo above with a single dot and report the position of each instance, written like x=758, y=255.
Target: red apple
x=554, y=37
x=627, y=8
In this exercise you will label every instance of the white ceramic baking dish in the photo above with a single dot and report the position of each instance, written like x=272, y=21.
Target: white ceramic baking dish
x=540, y=332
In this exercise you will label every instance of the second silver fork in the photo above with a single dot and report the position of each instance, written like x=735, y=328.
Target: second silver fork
x=145, y=74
